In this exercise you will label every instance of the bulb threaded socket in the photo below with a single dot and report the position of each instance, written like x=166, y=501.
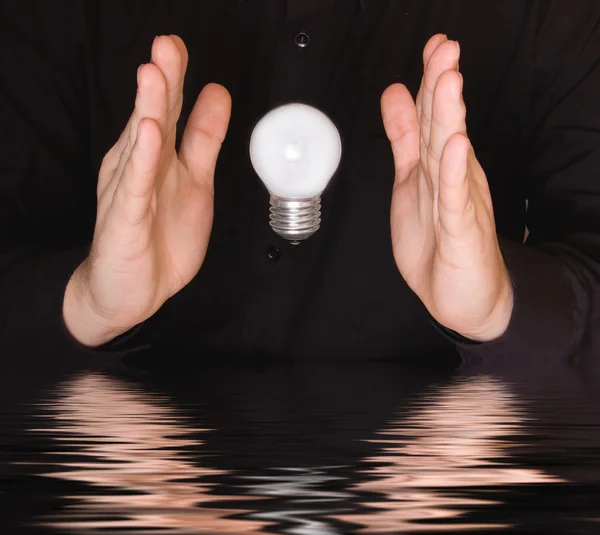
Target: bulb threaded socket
x=295, y=220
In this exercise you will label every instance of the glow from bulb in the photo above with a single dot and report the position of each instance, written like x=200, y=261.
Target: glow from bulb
x=295, y=150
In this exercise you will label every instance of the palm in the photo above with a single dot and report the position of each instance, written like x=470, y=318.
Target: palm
x=413, y=234
x=180, y=223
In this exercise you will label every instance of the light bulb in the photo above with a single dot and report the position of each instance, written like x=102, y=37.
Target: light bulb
x=295, y=150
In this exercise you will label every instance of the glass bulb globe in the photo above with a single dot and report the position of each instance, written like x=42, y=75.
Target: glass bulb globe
x=295, y=150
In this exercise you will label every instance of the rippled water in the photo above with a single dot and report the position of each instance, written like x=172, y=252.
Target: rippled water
x=315, y=450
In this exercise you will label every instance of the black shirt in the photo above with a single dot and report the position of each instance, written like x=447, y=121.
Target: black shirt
x=532, y=80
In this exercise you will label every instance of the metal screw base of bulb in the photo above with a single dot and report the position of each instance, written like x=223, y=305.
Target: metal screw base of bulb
x=295, y=220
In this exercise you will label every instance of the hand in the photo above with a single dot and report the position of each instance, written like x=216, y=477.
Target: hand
x=443, y=229
x=155, y=207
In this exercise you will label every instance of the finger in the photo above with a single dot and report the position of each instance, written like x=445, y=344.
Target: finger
x=136, y=187
x=402, y=128
x=170, y=55
x=205, y=132
x=150, y=102
x=430, y=47
x=456, y=205
x=179, y=43
x=448, y=118
x=445, y=57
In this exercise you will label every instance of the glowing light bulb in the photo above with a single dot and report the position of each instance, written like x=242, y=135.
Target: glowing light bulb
x=295, y=150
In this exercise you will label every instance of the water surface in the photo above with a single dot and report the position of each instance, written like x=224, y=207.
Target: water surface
x=310, y=449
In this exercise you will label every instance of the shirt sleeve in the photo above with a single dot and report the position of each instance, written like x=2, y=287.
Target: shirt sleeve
x=47, y=183
x=556, y=273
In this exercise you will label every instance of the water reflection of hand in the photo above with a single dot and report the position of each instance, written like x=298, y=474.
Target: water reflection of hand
x=458, y=437
x=137, y=458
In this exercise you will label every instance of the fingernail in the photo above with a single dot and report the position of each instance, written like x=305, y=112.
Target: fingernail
x=139, y=73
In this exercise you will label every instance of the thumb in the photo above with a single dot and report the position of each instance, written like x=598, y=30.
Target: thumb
x=205, y=133
x=402, y=128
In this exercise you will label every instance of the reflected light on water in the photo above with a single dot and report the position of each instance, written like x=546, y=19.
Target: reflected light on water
x=306, y=501
x=458, y=437
x=130, y=448
x=135, y=464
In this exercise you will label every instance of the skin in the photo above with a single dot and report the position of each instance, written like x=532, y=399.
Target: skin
x=442, y=219
x=155, y=206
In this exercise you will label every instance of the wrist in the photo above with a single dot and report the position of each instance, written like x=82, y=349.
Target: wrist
x=496, y=324
x=80, y=318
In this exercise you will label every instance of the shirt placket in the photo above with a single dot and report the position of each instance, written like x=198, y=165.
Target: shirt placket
x=280, y=271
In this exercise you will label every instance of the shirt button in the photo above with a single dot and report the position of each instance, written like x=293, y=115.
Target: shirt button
x=302, y=40
x=273, y=253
